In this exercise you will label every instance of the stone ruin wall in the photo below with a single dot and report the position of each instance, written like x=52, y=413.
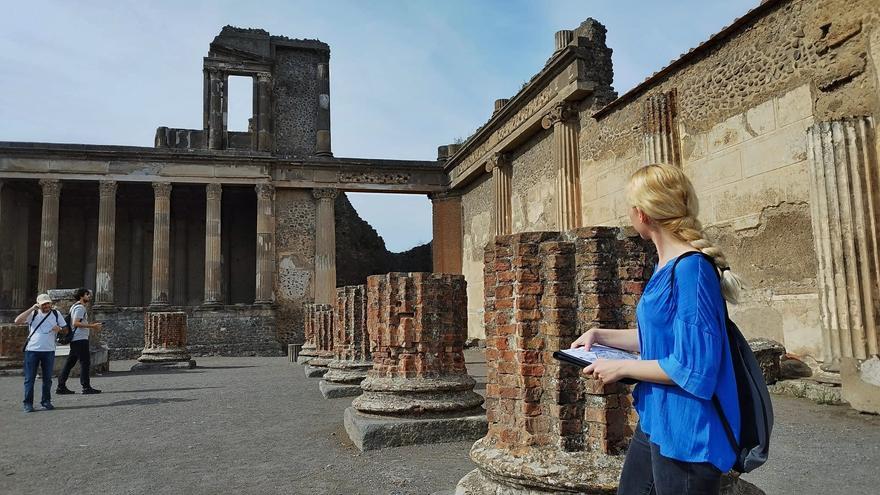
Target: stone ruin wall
x=295, y=97
x=295, y=260
x=476, y=213
x=743, y=107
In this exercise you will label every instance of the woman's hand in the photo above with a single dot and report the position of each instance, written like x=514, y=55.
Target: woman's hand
x=607, y=370
x=587, y=340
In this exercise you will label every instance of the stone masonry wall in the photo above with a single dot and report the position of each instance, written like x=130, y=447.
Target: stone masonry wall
x=295, y=97
x=742, y=107
x=295, y=260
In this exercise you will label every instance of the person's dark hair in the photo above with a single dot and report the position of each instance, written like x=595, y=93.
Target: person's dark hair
x=80, y=293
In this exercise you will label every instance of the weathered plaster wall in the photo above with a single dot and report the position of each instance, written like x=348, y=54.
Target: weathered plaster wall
x=476, y=209
x=533, y=184
x=295, y=260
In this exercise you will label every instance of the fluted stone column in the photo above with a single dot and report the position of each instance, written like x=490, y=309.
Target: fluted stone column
x=309, y=348
x=322, y=144
x=215, y=109
x=563, y=120
x=265, y=243
x=181, y=246
x=19, y=254
x=660, y=139
x=164, y=341
x=48, y=274
x=845, y=209
x=264, y=111
x=104, y=278
x=321, y=323
x=212, y=245
x=499, y=166
x=325, y=246
x=161, y=244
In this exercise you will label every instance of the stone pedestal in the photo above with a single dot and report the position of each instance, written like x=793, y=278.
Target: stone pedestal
x=418, y=390
x=164, y=342
x=12, y=339
x=351, y=345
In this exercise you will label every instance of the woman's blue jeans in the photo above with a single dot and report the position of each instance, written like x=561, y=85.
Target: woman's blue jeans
x=46, y=361
x=646, y=472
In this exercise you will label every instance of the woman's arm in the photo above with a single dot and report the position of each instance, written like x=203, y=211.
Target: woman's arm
x=613, y=370
x=626, y=339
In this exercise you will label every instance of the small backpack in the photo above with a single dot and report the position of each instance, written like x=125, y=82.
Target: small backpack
x=756, y=410
x=67, y=338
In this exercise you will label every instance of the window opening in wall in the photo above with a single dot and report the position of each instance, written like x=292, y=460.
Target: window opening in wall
x=241, y=103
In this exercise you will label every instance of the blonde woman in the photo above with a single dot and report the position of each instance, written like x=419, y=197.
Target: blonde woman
x=680, y=446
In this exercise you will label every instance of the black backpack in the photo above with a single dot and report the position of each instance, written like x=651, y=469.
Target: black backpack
x=756, y=410
x=66, y=338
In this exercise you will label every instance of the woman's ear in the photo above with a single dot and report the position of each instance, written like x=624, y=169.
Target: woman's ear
x=645, y=219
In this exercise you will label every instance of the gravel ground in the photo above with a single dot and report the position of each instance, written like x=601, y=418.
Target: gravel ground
x=257, y=425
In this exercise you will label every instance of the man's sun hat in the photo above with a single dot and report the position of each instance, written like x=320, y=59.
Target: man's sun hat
x=43, y=299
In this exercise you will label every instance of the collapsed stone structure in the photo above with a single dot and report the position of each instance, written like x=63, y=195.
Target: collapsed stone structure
x=418, y=390
x=321, y=321
x=149, y=228
x=352, y=358
x=773, y=119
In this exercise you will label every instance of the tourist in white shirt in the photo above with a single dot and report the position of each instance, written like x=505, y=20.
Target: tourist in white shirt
x=79, y=345
x=44, y=322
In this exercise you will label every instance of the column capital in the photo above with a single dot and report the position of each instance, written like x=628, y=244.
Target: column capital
x=214, y=71
x=51, y=187
x=162, y=189
x=444, y=195
x=107, y=188
x=264, y=191
x=325, y=193
x=214, y=190
x=264, y=76
x=497, y=160
x=561, y=112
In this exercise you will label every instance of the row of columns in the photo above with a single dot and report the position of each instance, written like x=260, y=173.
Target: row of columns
x=104, y=293
x=217, y=103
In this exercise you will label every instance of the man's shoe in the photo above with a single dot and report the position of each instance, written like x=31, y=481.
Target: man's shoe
x=47, y=406
x=64, y=391
x=89, y=391
x=27, y=408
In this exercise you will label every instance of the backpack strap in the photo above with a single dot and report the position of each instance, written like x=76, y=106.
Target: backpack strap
x=33, y=316
x=724, y=422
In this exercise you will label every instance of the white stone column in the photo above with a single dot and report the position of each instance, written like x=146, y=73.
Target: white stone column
x=500, y=168
x=563, y=120
x=265, y=243
x=845, y=208
x=213, y=274
x=161, y=244
x=48, y=274
x=325, y=246
x=104, y=277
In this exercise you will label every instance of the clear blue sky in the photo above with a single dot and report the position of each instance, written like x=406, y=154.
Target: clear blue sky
x=406, y=75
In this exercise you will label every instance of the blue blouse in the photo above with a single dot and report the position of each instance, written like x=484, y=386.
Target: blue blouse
x=685, y=331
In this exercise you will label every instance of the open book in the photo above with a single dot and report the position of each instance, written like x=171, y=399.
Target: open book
x=583, y=358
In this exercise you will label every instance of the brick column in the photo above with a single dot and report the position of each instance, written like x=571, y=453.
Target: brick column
x=161, y=244
x=104, y=277
x=309, y=349
x=265, y=243
x=164, y=341
x=48, y=273
x=321, y=323
x=542, y=290
x=351, y=344
x=446, y=245
x=213, y=275
x=325, y=246
x=417, y=324
x=845, y=208
x=499, y=167
x=563, y=120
